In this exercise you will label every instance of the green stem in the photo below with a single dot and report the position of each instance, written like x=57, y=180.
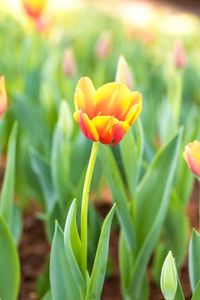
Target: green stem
x=178, y=95
x=84, y=207
x=199, y=201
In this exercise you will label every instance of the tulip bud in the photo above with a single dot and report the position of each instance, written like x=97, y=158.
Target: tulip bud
x=179, y=56
x=3, y=95
x=123, y=74
x=34, y=8
x=69, y=64
x=168, y=279
x=103, y=45
x=65, y=122
x=192, y=157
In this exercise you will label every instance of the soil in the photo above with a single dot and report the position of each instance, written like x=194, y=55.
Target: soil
x=34, y=249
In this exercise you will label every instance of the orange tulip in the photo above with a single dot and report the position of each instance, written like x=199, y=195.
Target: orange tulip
x=192, y=157
x=106, y=114
x=34, y=8
x=3, y=95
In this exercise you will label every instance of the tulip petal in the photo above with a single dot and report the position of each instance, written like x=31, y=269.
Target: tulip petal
x=134, y=110
x=103, y=125
x=86, y=126
x=192, y=157
x=112, y=99
x=3, y=95
x=119, y=129
x=84, y=96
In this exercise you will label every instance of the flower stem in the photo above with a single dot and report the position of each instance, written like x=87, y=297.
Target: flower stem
x=84, y=207
x=178, y=95
x=199, y=201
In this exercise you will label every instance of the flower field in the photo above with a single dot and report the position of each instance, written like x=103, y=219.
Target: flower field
x=100, y=154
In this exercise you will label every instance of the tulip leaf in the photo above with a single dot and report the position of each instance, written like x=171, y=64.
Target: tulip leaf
x=196, y=292
x=41, y=168
x=131, y=153
x=63, y=284
x=179, y=291
x=175, y=235
x=99, y=268
x=194, y=259
x=73, y=246
x=47, y=296
x=16, y=224
x=7, y=194
x=9, y=264
x=119, y=195
x=153, y=194
x=60, y=163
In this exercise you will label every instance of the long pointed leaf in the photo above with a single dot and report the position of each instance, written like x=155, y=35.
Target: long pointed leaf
x=9, y=264
x=152, y=203
x=100, y=262
x=118, y=191
x=7, y=193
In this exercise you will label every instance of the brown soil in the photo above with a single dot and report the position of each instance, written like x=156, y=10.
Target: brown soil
x=34, y=249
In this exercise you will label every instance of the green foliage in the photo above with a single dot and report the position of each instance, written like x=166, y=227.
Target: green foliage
x=66, y=278
x=194, y=259
x=9, y=264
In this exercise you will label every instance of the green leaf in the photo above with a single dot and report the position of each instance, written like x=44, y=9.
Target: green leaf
x=194, y=259
x=7, y=193
x=99, y=269
x=177, y=229
x=47, y=296
x=60, y=154
x=9, y=264
x=119, y=195
x=153, y=194
x=196, y=292
x=16, y=224
x=73, y=246
x=63, y=285
x=131, y=153
x=42, y=170
x=179, y=292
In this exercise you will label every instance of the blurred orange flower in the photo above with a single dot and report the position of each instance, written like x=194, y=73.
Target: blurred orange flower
x=192, y=157
x=3, y=95
x=34, y=8
x=106, y=114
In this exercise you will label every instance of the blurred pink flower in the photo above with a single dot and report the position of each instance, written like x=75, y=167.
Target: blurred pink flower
x=103, y=45
x=44, y=23
x=179, y=55
x=69, y=63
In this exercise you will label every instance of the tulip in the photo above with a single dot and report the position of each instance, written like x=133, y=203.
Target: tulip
x=179, y=56
x=106, y=114
x=44, y=23
x=168, y=280
x=123, y=74
x=192, y=157
x=103, y=45
x=3, y=95
x=69, y=64
x=34, y=8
